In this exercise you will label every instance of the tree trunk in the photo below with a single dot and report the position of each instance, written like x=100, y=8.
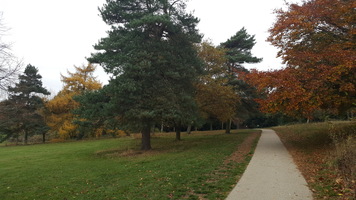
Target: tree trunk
x=211, y=126
x=178, y=133
x=43, y=138
x=222, y=125
x=146, y=138
x=189, y=129
x=228, y=127
x=162, y=127
x=26, y=137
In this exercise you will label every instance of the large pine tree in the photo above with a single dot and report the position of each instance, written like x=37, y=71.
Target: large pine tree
x=149, y=52
x=238, y=52
x=21, y=112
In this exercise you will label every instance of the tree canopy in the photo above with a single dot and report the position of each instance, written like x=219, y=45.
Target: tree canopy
x=59, y=109
x=239, y=48
x=317, y=42
x=216, y=99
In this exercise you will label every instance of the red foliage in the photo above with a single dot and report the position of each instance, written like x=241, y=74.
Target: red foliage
x=317, y=42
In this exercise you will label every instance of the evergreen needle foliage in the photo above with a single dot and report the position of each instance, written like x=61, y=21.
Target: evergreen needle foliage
x=150, y=54
x=21, y=113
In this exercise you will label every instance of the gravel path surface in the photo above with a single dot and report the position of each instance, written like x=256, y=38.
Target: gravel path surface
x=271, y=174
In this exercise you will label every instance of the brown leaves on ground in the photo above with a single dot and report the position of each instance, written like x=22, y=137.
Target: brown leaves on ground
x=313, y=162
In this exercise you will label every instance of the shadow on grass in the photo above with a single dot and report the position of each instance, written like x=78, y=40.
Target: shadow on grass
x=164, y=143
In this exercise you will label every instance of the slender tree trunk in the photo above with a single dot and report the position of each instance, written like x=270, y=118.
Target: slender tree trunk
x=178, y=133
x=222, y=125
x=211, y=126
x=146, y=138
x=162, y=127
x=228, y=127
x=43, y=138
x=189, y=129
x=26, y=137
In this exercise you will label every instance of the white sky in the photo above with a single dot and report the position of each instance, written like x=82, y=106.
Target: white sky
x=55, y=35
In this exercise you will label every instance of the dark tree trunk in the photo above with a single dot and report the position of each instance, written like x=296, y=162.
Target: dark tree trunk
x=211, y=126
x=26, y=137
x=43, y=138
x=189, y=129
x=178, y=133
x=146, y=138
x=228, y=127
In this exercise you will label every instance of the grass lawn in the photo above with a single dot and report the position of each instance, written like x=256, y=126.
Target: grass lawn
x=326, y=155
x=112, y=168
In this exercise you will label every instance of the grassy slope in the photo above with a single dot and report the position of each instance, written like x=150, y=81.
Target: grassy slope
x=317, y=148
x=95, y=169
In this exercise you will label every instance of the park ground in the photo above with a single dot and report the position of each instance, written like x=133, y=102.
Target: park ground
x=204, y=165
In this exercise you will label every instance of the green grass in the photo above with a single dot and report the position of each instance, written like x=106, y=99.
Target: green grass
x=97, y=170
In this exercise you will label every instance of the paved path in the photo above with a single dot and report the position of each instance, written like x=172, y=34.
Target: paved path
x=271, y=174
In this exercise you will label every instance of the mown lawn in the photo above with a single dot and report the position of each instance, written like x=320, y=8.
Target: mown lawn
x=113, y=169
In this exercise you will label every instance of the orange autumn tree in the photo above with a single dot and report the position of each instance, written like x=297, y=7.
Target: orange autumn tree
x=215, y=98
x=317, y=42
x=285, y=92
x=59, y=109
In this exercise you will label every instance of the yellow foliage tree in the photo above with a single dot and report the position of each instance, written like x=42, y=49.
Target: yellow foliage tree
x=81, y=80
x=215, y=98
x=59, y=109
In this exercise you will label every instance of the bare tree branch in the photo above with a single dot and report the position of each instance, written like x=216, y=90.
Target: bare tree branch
x=10, y=65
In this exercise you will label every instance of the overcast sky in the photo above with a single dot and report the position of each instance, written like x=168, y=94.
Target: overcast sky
x=55, y=35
